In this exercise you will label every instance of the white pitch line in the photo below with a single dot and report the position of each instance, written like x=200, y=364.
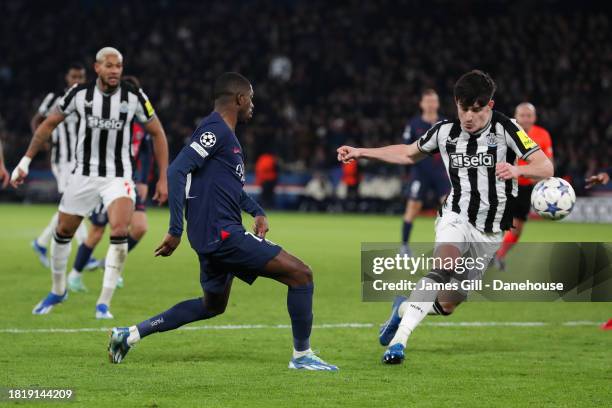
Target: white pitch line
x=316, y=326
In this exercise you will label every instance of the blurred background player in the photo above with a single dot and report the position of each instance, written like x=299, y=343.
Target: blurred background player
x=427, y=175
x=525, y=115
x=63, y=144
x=103, y=171
x=142, y=149
x=4, y=176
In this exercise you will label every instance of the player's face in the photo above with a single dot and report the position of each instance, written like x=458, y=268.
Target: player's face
x=75, y=76
x=246, y=105
x=475, y=117
x=525, y=116
x=430, y=103
x=109, y=70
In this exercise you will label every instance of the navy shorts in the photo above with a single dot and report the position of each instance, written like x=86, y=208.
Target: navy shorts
x=242, y=254
x=421, y=183
x=99, y=217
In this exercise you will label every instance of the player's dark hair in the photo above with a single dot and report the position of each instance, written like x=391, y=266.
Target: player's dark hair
x=428, y=91
x=474, y=88
x=229, y=84
x=76, y=65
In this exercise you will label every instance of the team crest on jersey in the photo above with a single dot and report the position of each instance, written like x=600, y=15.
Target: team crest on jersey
x=123, y=108
x=492, y=139
x=208, y=139
x=240, y=172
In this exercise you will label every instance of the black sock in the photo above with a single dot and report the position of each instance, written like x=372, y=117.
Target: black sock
x=178, y=315
x=299, y=305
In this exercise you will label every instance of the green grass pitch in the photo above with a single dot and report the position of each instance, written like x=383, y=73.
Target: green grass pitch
x=553, y=364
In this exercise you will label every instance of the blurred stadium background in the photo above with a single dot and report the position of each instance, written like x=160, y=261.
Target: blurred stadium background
x=325, y=74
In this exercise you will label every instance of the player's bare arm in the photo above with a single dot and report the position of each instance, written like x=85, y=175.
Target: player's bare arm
x=41, y=136
x=37, y=119
x=600, y=178
x=394, y=154
x=160, y=149
x=168, y=245
x=538, y=167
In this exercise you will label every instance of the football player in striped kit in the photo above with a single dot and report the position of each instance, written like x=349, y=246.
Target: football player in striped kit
x=479, y=150
x=63, y=143
x=103, y=170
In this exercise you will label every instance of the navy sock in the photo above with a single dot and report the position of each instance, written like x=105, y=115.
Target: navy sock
x=131, y=243
x=182, y=313
x=82, y=256
x=406, y=232
x=299, y=305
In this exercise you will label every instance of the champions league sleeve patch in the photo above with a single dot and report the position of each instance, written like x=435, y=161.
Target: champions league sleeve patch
x=208, y=139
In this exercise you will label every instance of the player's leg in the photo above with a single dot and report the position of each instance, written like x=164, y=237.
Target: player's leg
x=451, y=238
x=298, y=277
x=520, y=210
x=83, y=256
x=41, y=243
x=413, y=208
x=79, y=198
x=216, y=286
x=60, y=251
x=119, y=210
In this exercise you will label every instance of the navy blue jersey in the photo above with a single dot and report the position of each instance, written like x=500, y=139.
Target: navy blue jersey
x=209, y=173
x=416, y=128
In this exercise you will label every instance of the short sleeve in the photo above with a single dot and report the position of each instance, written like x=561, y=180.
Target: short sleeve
x=67, y=104
x=144, y=108
x=428, y=143
x=205, y=141
x=518, y=140
x=46, y=104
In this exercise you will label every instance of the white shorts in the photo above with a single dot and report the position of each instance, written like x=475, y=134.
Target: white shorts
x=62, y=174
x=83, y=194
x=453, y=229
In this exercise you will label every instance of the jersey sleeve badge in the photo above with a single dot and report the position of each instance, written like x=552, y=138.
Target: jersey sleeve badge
x=526, y=140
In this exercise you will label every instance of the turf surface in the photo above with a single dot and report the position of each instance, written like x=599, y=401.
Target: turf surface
x=551, y=364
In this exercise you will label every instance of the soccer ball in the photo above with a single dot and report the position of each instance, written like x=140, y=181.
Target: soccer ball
x=553, y=198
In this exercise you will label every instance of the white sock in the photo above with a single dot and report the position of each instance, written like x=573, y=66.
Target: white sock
x=45, y=237
x=134, y=336
x=74, y=274
x=113, y=266
x=60, y=251
x=298, y=354
x=414, y=310
x=81, y=233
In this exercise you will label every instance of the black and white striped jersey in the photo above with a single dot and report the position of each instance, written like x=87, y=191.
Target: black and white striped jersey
x=63, y=138
x=470, y=160
x=104, y=138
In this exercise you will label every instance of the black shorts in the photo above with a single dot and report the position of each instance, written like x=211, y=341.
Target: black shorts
x=242, y=255
x=522, y=204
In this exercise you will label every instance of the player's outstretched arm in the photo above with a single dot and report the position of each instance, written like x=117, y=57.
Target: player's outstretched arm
x=395, y=154
x=250, y=206
x=177, y=179
x=41, y=136
x=538, y=167
x=160, y=150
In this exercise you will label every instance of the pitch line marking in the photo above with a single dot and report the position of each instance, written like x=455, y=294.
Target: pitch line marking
x=316, y=326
